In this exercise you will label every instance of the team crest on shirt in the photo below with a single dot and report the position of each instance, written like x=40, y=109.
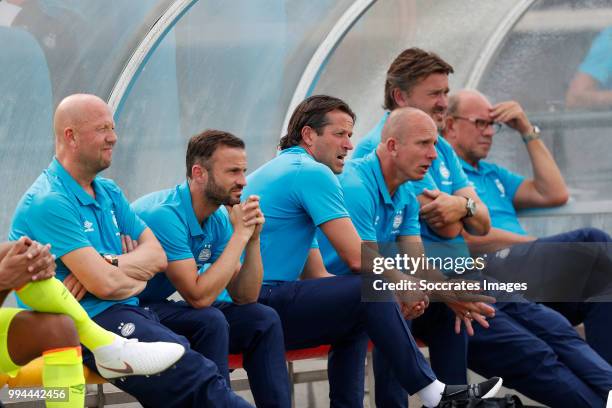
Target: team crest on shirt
x=444, y=171
x=205, y=253
x=500, y=187
x=376, y=220
x=88, y=226
x=397, y=220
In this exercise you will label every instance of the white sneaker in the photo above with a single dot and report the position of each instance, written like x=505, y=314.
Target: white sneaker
x=130, y=357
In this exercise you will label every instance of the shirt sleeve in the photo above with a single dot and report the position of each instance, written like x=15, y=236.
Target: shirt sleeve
x=598, y=62
x=510, y=180
x=411, y=225
x=52, y=219
x=171, y=232
x=320, y=194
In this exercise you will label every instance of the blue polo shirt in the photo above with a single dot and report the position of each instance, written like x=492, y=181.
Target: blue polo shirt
x=368, y=143
x=445, y=174
x=297, y=194
x=377, y=215
x=598, y=62
x=496, y=187
x=169, y=214
x=57, y=210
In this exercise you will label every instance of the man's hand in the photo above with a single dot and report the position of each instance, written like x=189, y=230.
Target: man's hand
x=253, y=215
x=511, y=114
x=237, y=218
x=75, y=287
x=466, y=312
x=443, y=210
x=128, y=244
x=412, y=310
x=26, y=261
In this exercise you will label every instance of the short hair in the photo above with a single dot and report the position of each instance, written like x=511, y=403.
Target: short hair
x=410, y=67
x=312, y=112
x=202, y=146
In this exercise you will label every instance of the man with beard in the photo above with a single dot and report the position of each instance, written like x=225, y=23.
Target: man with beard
x=86, y=219
x=203, y=242
x=543, y=339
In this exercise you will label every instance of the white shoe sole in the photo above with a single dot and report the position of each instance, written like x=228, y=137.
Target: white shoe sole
x=493, y=391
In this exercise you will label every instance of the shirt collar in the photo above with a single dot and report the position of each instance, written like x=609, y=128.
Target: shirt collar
x=71, y=184
x=195, y=228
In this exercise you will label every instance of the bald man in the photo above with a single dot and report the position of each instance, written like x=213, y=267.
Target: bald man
x=106, y=254
x=533, y=332
x=383, y=208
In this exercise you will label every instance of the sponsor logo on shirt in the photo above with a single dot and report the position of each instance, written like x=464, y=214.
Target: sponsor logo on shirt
x=88, y=226
x=500, y=187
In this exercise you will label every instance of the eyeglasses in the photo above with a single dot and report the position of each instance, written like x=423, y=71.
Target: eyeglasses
x=482, y=124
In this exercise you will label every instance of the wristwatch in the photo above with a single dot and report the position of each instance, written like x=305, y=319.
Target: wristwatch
x=111, y=259
x=533, y=135
x=470, y=207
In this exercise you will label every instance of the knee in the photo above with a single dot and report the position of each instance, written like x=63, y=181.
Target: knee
x=214, y=319
x=263, y=317
x=594, y=235
x=59, y=331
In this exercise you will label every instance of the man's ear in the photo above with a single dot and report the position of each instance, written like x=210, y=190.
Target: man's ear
x=399, y=97
x=449, y=127
x=69, y=137
x=308, y=134
x=199, y=173
x=391, y=145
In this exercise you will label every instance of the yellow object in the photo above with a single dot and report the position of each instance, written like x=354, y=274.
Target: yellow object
x=63, y=379
x=51, y=296
x=6, y=363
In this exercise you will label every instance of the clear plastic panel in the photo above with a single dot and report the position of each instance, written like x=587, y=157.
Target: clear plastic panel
x=457, y=31
x=50, y=49
x=225, y=65
x=555, y=44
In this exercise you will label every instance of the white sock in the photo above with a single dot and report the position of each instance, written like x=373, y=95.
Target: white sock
x=432, y=394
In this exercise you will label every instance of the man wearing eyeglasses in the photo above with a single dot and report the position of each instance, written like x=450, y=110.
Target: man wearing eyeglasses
x=533, y=347
x=504, y=192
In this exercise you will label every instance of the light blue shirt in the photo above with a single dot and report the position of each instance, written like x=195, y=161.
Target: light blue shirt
x=376, y=215
x=368, y=143
x=58, y=211
x=169, y=214
x=598, y=62
x=297, y=194
x=496, y=187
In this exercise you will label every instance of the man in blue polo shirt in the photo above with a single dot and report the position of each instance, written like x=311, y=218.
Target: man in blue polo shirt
x=504, y=191
x=204, y=243
x=591, y=87
x=84, y=217
x=443, y=217
x=384, y=209
x=299, y=192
